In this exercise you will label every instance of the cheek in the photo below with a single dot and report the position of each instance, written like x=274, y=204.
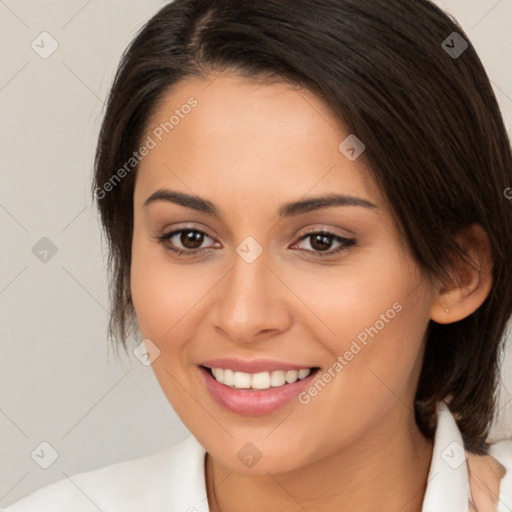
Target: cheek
x=373, y=316
x=375, y=359
x=150, y=291
x=361, y=300
x=166, y=296
x=162, y=296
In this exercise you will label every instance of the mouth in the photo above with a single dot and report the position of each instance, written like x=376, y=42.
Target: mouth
x=255, y=393
x=258, y=381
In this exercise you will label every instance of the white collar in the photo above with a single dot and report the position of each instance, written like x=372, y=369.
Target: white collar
x=448, y=480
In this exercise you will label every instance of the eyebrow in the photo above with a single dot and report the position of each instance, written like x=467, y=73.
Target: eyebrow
x=287, y=210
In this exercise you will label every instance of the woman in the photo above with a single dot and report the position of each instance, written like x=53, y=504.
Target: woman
x=306, y=213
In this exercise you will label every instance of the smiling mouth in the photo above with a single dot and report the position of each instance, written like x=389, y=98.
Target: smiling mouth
x=258, y=381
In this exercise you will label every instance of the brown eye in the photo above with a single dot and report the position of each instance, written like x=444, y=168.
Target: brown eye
x=321, y=243
x=184, y=241
x=191, y=239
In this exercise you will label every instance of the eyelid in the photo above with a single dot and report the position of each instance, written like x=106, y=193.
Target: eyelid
x=323, y=228
x=177, y=228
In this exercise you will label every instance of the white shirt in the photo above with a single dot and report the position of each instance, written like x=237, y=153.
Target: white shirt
x=173, y=480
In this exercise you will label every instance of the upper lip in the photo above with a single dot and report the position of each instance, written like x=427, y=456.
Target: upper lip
x=253, y=366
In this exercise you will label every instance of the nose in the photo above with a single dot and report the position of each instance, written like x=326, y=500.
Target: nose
x=251, y=303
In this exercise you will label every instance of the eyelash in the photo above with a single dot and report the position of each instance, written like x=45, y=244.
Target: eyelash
x=346, y=243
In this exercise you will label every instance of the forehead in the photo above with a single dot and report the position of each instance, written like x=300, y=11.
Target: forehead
x=249, y=138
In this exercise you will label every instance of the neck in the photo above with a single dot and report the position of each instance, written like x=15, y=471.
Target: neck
x=384, y=470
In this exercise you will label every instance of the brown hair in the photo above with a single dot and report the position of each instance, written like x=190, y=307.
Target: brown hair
x=435, y=141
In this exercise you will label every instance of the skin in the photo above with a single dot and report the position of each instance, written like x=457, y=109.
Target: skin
x=250, y=147
x=485, y=474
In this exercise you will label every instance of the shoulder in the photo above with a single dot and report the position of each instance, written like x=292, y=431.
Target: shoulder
x=138, y=484
x=502, y=452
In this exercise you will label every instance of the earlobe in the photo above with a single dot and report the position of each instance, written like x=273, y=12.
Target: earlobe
x=471, y=279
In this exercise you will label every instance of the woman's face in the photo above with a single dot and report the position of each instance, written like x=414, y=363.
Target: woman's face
x=258, y=293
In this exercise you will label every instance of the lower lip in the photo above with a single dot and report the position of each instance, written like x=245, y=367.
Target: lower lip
x=254, y=402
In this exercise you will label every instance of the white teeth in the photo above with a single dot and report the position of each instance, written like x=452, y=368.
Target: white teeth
x=228, y=378
x=302, y=373
x=218, y=373
x=277, y=378
x=261, y=380
x=292, y=376
x=242, y=380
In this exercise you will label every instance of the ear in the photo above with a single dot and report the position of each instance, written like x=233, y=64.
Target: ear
x=470, y=281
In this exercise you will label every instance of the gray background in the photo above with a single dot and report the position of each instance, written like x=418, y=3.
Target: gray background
x=59, y=382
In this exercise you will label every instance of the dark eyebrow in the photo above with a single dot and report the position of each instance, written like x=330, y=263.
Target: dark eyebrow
x=318, y=203
x=287, y=210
